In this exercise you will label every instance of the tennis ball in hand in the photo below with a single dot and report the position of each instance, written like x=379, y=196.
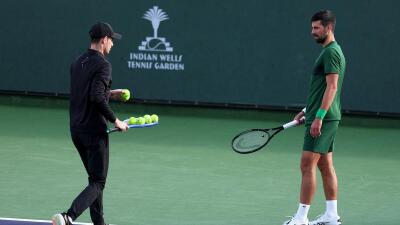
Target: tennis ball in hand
x=154, y=118
x=125, y=95
x=132, y=121
x=140, y=121
x=147, y=118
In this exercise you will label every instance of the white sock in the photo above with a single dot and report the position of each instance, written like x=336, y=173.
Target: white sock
x=302, y=212
x=331, y=208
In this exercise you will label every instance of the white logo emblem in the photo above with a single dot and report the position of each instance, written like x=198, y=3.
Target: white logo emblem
x=155, y=53
x=155, y=43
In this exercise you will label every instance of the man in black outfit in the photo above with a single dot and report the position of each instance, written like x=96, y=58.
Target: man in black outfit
x=89, y=113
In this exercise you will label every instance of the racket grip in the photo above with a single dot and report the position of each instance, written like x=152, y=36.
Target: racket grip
x=112, y=130
x=294, y=123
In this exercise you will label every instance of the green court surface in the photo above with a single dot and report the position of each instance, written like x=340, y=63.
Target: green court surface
x=183, y=172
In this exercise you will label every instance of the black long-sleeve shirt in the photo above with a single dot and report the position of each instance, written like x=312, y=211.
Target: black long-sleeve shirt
x=90, y=92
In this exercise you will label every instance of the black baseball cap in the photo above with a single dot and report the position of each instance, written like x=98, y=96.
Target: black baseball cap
x=101, y=29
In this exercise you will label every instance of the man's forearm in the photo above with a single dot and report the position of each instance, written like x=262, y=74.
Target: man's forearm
x=329, y=95
x=104, y=108
x=98, y=97
x=330, y=91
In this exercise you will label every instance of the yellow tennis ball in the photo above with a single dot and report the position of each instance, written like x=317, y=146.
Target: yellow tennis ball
x=126, y=94
x=154, y=118
x=132, y=120
x=147, y=118
x=140, y=121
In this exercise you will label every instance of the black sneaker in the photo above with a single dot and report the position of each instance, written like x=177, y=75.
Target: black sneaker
x=61, y=219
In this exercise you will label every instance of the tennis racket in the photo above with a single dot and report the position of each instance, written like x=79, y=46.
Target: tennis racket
x=252, y=140
x=111, y=130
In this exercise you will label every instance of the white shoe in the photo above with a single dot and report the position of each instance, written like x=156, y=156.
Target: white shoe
x=324, y=220
x=60, y=219
x=293, y=221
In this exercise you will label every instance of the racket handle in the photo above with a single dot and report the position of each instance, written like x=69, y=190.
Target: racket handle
x=112, y=130
x=293, y=123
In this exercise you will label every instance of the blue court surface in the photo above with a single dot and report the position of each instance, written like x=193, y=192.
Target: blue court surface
x=15, y=221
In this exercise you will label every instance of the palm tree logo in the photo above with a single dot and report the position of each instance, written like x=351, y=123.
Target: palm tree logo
x=155, y=43
x=155, y=15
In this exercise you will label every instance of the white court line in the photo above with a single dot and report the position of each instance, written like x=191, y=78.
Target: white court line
x=40, y=221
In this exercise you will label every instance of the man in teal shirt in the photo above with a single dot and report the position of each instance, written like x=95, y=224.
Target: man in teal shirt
x=323, y=113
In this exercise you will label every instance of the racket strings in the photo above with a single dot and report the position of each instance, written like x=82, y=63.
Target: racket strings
x=250, y=141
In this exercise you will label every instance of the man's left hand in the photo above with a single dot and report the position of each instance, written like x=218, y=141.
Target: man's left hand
x=116, y=95
x=315, y=129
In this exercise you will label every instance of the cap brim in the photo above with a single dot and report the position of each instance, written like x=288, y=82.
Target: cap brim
x=116, y=36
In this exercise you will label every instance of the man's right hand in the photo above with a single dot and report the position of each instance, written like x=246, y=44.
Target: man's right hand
x=299, y=116
x=121, y=125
